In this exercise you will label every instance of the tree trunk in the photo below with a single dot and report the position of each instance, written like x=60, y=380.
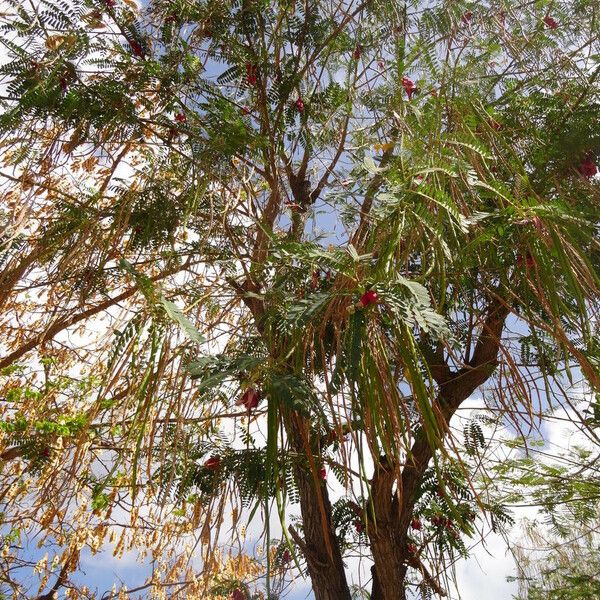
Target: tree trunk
x=388, y=530
x=389, y=571
x=320, y=546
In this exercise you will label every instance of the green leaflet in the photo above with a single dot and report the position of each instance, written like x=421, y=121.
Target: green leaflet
x=175, y=314
x=213, y=371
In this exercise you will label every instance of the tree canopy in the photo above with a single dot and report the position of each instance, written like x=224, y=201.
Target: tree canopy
x=255, y=256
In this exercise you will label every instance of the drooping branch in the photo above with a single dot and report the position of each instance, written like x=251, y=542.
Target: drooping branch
x=65, y=323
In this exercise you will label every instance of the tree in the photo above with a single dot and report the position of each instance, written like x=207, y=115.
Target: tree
x=557, y=557
x=568, y=570
x=251, y=245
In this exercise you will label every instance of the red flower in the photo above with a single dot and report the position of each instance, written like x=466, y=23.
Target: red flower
x=550, y=22
x=358, y=525
x=357, y=52
x=368, y=298
x=314, y=280
x=409, y=87
x=587, y=167
x=213, y=463
x=237, y=594
x=412, y=548
x=437, y=520
x=251, y=74
x=286, y=557
x=467, y=16
x=249, y=399
x=300, y=105
x=180, y=118
x=136, y=48
x=416, y=524
x=528, y=260
x=381, y=64
x=323, y=473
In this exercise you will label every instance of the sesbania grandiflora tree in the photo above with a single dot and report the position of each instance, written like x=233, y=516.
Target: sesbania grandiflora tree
x=253, y=246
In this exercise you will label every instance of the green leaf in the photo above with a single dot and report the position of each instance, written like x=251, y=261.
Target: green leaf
x=186, y=325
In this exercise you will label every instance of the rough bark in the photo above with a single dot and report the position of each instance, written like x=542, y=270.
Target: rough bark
x=320, y=545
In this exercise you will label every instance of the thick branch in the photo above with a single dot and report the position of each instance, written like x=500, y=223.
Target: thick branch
x=389, y=543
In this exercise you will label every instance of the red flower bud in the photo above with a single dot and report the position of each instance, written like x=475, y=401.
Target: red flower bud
x=300, y=105
x=529, y=261
x=251, y=74
x=286, y=557
x=180, y=118
x=368, y=298
x=412, y=548
x=357, y=52
x=409, y=87
x=136, y=48
x=550, y=22
x=237, y=594
x=213, y=463
x=588, y=168
x=437, y=520
x=416, y=524
x=358, y=525
x=380, y=64
x=249, y=399
x=323, y=473
x=467, y=16
x=314, y=280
